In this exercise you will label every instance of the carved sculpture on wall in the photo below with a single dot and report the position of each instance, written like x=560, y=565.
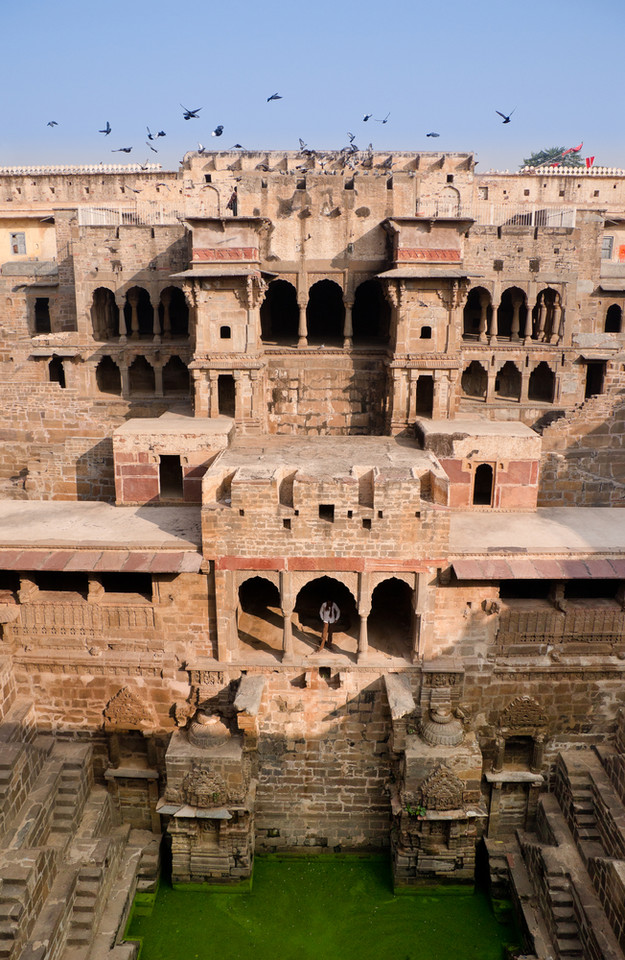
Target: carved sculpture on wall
x=202, y=788
x=523, y=714
x=126, y=711
x=442, y=790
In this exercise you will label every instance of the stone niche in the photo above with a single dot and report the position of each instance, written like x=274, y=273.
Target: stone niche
x=438, y=814
x=210, y=793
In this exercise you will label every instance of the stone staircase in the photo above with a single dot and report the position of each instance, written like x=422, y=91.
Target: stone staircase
x=68, y=868
x=575, y=861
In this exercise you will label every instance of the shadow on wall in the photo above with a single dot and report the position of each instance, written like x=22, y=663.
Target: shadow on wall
x=95, y=474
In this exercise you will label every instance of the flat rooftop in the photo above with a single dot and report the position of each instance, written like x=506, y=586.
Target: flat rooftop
x=173, y=424
x=43, y=535
x=324, y=456
x=550, y=530
x=475, y=428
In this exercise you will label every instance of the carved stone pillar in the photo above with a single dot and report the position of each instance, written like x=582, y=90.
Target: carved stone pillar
x=213, y=395
x=500, y=749
x=288, y=604
x=525, y=384
x=348, y=330
x=484, y=302
x=413, y=376
x=516, y=311
x=556, y=333
x=158, y=379
x=538, y=753
x=493, y=325
x=542, y=318
x=133, y=300
x=166, y=301
x=302, y=331
x=364, y=609
x=125, y=382
x=123, y=332
x=156, y=327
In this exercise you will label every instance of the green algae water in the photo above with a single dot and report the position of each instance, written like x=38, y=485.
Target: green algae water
x=319, y=909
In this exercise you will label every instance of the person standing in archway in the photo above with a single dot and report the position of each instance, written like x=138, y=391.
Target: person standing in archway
x=329, y=613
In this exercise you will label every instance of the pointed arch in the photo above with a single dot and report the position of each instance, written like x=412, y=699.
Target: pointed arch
x=474, y=380
x=508, y=381
x=104, y=314
x=325, y=313
x=279, y=313
x=371, y=313
x=477, y=313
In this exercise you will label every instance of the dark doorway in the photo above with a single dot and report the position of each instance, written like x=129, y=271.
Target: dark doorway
x=175, y=376
x=595, y=372
x=473, y=312
x=226, y=395
x=310, y=598
x=170, y=477
x=108, y=376
x=474, y=380
x=508, y=382
x=325, y=313
x=542, y=383
x=141, y=376
x=56, y=371
x=390, y=620
x=371, y=313
x=257, y=594
x=177, y=310
x=145, y=312
x=483, y=485
x=425, y=396
x=104, y=314
x=42, y=315
x=279, y=313
x=613, y=319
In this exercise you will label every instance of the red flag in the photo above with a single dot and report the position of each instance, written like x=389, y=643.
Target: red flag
x=572, y=149
x=589, y=162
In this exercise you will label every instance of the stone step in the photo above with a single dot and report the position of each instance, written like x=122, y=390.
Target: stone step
x=570, y=948
x=563, y=914
x=8, y=930
x=567, y=930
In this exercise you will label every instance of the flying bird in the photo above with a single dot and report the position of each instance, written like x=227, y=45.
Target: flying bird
x=432, y=134
x=238, y=146
x=150, y=136
x=274, y=96
x=153, y=149
x=161, y=133
x=51, y=123
x=385, y=118
x=217, y=132
x=366, y=117
x=506, y=118
x=352, y=136
x=122, y=150
x=201, y=149
x=107, y=129
x=190, y=114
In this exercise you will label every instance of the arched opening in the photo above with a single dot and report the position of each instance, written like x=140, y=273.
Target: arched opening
x=371, y=313
x=511, y=314
x=279, y=313
x=474, y=381
x=173, y=313
x=104, y=314
x=226, y=395
x=144, y=324
x=542, y=383
x=42, y=315
x=260, y=621
x=309, y=599
x=325, y=313
x=108, y=377
x=425, y=396
x=391, y=619
x=483, y=485
x=448, y=202
x=613, y=319
x=175, y=376
x=508, y=382
x=56, y=371
x=543, y=315
x=426, y=333
x=477, y=308
x=140, y=376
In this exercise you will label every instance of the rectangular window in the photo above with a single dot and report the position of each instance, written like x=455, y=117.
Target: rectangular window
x=606, y=248
x=18, y=243
x=326, y=512
x=170, y=477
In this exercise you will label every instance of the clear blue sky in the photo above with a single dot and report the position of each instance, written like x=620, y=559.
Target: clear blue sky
x=444, y=67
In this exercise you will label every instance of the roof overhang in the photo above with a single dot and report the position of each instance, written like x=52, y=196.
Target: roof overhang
x=523, y=568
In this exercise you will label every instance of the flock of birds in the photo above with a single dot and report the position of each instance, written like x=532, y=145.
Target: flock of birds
x=189, y=114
